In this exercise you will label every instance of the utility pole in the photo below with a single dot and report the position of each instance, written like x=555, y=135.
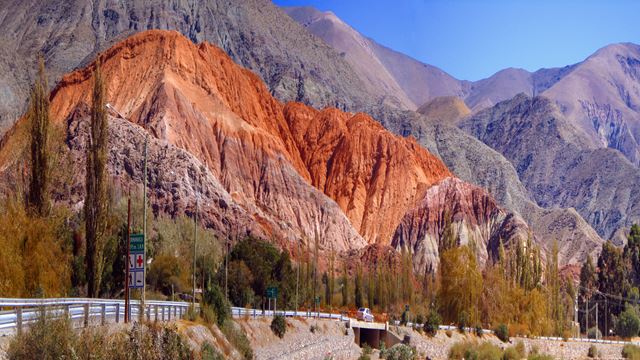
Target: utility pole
x=126, y=278
x=226, y=268
x=575, y=307
x=144, y=227
x=586, y=318
x=606, y=316
x=297, y=275
x=597, y=320
x=195, y=242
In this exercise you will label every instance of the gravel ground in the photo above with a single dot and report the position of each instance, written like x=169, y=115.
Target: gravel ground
x=438, y=347
x=299, y=342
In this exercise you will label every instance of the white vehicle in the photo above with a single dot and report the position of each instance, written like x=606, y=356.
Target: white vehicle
x=364, y=314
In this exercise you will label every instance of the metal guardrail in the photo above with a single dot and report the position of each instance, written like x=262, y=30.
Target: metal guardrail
x=16, y=314
x=245, y=312
x=549, y=338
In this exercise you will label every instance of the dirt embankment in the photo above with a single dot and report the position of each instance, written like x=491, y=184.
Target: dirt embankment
x=299, y=342
x=437, y=347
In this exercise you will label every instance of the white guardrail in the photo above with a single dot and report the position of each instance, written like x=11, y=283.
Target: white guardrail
x=15, y=314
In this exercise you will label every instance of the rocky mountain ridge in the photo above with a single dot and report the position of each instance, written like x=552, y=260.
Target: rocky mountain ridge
x=285, y=172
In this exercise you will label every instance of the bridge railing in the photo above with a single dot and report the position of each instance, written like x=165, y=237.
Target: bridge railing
x=16, y=314
x=239, y=312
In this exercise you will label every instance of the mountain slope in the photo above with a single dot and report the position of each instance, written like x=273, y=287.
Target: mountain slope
x=559, y=164
x=401, y=75
x=255, y=33
x=601, y=96
x=476, y=163
x=289, y=173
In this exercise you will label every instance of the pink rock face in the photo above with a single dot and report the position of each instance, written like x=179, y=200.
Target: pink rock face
x=462, y=211
x=287, y=173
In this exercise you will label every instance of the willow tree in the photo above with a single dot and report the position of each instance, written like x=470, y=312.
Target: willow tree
x=95, y=206
x=39, y=136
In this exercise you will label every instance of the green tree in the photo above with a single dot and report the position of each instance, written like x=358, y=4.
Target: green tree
x=345, y=286
x=213, y=297
x=96, y=202
x=632, y=253
x=359, y=291
x=588, y=285
x=241, y=277
x=39, y=138
x=612, y=279
x=371, y=288
x=628, y=323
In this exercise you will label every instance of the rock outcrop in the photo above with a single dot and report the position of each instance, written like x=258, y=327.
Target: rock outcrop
x=475, y=162
x=289, y=173
x=373, y=175
x=463, y=212
x=559, y=165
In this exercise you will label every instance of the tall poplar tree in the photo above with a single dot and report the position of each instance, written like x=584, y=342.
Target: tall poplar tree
x=95, y=206
x=38, y=199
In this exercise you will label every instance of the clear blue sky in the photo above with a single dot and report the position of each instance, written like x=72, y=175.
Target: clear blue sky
x=472, y=39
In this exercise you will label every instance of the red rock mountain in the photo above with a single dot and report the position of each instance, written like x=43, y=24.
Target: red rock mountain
x=285, y=172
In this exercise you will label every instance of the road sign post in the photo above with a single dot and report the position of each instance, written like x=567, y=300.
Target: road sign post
x=136, y=261
x=272, y=293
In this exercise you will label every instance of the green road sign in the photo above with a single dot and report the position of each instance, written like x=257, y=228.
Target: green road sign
x=272, y=292
x=137, y=243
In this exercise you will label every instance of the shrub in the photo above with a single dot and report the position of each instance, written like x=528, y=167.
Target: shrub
x=460, y=349
x=383, y=350
x=208, y=352
x=238, y=339
x=191, y=314
x=594, y=333
x=404, y=318
x=433, y=323
x=463, y=320
x=448, y=333
x=511, y=353
x=517, y=351
x=593, y=352
x=279, y=326
x=313, y=328
x=470, y=350
x=488, y=351
x=215, y=299
x=502, y=332
x=630, y=351
x=366, y=352
x=208, y=315
x=479, y=331
x=400, y=352
x=46, y=338
x=522, y=351
x=628, y=323
x=419, y=319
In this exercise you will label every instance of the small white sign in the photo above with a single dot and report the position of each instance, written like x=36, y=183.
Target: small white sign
x=139, y=261
x=139, y=278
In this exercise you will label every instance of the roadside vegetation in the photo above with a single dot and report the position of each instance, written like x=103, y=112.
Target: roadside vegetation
x=471, y=350
x=51, y=338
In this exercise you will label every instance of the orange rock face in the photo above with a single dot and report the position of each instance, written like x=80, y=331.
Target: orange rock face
x=373, y=175
x=289, y=173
